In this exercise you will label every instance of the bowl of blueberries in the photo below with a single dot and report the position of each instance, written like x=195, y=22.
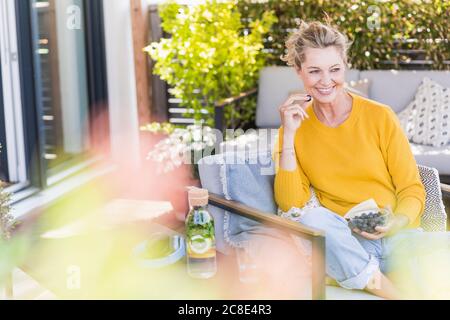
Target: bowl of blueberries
x=368, y=221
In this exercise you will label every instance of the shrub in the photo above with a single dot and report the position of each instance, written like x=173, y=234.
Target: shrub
x=209, y=56
x=382, y=31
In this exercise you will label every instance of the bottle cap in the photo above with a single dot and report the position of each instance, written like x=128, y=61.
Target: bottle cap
x=197, y=197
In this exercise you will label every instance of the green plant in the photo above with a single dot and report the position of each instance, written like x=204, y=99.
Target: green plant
x=7, y=222
x=158, y=128
x=209, y=56
x=417, y=25
x=182, y=146
x=8, y=248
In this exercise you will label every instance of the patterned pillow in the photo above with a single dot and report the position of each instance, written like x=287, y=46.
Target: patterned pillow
x=295, y=213
x=426, y=120
x=434, y=217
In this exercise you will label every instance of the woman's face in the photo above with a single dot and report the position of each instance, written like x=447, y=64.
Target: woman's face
x=323, y=73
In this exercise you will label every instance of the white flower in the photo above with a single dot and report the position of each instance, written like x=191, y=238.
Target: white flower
x=176, y=149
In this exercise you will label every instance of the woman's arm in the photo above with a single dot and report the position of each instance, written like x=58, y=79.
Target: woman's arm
x=291, y=187
x=288, y=158
x=402, y=167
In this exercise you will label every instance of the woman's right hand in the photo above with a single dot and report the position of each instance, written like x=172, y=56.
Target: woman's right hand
x=292, y=112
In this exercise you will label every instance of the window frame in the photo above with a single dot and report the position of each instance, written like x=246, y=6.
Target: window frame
x=13, y=156
x=31, y=103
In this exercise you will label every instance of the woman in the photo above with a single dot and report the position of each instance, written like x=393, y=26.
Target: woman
x=349, y=149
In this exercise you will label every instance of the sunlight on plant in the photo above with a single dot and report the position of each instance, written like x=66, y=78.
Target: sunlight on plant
x=208, y=57
x=178, y=148
x=13, y=248
x=404, y=25
x=420, y=266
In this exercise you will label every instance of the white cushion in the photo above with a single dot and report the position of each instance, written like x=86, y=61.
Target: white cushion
x=360, y=87
x=338, y=293
x=426, y=120
x=396, y=88
x=435, y=157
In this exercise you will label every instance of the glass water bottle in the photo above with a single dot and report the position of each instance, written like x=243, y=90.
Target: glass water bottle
x=200, y=237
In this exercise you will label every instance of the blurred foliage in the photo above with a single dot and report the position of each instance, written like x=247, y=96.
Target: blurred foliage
x=208, y=57
x=165, y=128
x=11, y=249
x=7, y=221
x=381, y=30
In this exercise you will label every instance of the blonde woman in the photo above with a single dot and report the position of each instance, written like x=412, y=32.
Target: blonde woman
x=349, y=149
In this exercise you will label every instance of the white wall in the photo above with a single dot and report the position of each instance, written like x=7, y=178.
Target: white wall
x=121, y=82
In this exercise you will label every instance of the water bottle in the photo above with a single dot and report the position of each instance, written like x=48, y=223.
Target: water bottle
x=200, y=237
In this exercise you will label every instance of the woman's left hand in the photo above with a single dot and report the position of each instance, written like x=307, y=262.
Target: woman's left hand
x=380, y=231
x=396, y=223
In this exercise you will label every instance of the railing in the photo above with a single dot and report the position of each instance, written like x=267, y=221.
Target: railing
x=219, y=118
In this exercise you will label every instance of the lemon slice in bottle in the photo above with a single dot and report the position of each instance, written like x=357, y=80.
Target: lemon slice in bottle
x=200, y=244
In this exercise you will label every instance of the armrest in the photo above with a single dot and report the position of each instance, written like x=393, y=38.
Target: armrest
x=263, y=217
x=243, y=95
x=317, y=237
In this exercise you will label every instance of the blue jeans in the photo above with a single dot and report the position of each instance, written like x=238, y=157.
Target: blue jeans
x=352, y=260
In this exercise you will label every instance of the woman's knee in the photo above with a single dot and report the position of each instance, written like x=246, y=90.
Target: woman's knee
x=322, y=218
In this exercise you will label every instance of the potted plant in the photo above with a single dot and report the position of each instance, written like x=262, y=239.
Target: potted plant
x=175, y=157
x=7, y=224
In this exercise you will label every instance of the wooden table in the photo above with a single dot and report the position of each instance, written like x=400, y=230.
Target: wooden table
x=100, y=265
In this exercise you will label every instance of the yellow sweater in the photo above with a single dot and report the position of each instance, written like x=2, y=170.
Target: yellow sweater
x=367, y=156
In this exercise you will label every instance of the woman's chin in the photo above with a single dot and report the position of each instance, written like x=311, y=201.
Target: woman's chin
x=325, y=99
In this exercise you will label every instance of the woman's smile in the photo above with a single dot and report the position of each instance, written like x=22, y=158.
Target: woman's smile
x=325, y=91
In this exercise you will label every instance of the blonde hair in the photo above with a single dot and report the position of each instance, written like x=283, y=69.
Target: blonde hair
x=314, y=35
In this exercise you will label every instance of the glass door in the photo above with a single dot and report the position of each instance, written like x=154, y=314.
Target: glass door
x=12, y=158
x=59, y=43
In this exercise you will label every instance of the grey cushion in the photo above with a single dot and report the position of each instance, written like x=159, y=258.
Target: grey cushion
x=338, y=293
x=275, y=83
x=243, y=177
x=435, y=157
x=397, y=88
x=249, y=181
